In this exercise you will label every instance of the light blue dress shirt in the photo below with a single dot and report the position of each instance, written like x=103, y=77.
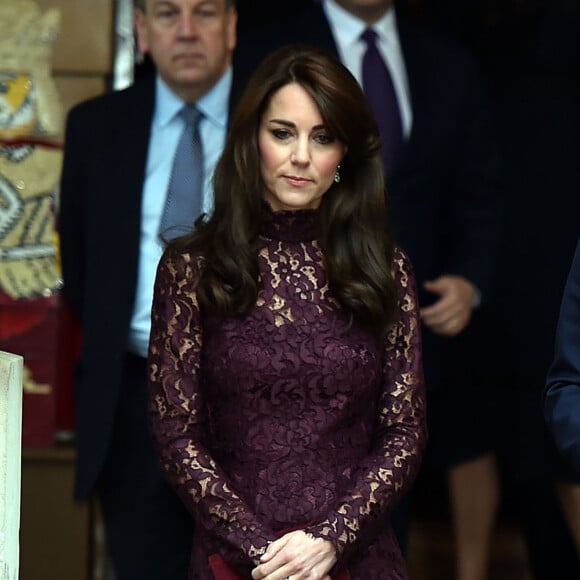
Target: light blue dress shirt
x=166, y=128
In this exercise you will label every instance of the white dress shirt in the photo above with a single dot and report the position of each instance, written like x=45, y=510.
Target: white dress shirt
x=347, y=30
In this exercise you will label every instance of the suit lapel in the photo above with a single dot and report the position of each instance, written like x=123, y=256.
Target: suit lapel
x=124, y=166
x=413, y=57
x=128, y=158
x=130, y=148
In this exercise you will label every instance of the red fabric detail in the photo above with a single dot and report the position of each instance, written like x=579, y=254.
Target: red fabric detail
x=70, y=341
x=222, y=571
x=49, y=143
x=30, y=328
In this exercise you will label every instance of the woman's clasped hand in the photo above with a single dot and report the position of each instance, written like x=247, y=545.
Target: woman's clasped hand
x=296, y=555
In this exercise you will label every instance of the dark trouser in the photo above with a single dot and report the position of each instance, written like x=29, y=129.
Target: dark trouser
x=149, y=532
x=551, y=550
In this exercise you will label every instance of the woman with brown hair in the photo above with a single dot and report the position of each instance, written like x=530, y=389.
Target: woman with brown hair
x=286, y=386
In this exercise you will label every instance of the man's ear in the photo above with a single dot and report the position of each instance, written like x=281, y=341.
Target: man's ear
x=141, y=30
x=232, y=28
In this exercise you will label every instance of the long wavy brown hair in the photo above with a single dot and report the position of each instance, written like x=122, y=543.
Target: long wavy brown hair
x=355, y=239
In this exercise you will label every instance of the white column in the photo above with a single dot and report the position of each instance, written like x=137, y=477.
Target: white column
x=10, y=462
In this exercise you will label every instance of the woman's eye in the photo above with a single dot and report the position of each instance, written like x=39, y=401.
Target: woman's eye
x=281, y=133
x=324, y=138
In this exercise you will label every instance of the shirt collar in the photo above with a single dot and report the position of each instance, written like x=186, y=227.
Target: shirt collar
x=347, y=28
x=214, y=105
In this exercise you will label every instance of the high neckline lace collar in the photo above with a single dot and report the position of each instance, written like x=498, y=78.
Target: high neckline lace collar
x=290, y=226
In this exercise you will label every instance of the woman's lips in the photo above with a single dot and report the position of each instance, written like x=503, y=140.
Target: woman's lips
x=297, y=181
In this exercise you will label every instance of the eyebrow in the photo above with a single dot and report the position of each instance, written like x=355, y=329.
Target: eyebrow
x=163, y=4
x=293, y=125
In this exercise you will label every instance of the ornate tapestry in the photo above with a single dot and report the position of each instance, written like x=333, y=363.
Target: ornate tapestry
x=30, y=163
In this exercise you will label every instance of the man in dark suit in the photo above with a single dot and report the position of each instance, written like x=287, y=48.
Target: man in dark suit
x=562, y=396
x=119, y=153
x=442, y=190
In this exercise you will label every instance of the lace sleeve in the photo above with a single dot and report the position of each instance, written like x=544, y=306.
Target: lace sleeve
x=391, y=466
x=177, y=416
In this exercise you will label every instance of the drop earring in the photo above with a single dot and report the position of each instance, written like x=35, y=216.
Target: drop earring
x=337, y=174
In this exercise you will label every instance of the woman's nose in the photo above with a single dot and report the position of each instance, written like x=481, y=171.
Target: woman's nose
x=301, y=154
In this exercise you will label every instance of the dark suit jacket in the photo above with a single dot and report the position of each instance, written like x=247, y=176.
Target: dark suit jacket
x=107, y=140
x=443, y=195
x=562, y=396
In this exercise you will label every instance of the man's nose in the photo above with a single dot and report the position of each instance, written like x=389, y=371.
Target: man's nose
x=187, y=25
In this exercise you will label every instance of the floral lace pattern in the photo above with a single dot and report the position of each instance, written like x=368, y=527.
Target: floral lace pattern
x=287, y=417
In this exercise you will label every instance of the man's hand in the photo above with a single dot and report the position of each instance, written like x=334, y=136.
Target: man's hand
x=296, y=555
x=452, y=312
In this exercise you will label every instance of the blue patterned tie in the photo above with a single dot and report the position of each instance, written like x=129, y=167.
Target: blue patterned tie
x=184, y=196
x=378, y=87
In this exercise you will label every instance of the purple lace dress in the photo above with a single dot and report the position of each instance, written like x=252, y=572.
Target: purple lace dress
x=286, y=417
